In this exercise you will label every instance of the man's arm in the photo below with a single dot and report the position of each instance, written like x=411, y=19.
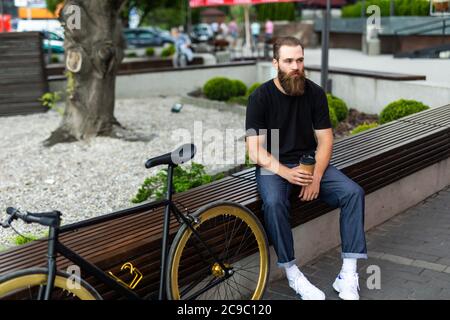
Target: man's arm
x=258, y=154
x=324, y=151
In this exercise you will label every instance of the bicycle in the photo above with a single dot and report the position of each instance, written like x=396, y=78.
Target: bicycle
x=219, y=250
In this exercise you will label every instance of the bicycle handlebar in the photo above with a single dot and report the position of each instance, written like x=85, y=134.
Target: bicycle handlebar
x=49, y=219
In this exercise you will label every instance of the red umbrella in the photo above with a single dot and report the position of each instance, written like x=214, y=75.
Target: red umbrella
x=245, y=3
x=205, y=3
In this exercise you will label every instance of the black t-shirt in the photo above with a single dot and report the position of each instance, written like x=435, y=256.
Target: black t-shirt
x=296, y=117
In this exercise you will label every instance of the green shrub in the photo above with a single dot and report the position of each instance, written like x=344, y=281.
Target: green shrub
x=339, y=106
x=252, y=88
x=131, y=55
x=276, y=11
x=333, y=117
x=239, y=88
x=352, y=10
x=401, y=8
x=183, y=180
x=401, y=108
x=54, y=58
x=242, y=100
x=49, y=100
x=150, y=52
x=168, y=51
x=363, y=127
x=20, y=240
x=219, y=88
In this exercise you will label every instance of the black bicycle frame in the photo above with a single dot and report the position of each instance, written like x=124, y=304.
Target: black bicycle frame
x=56, y=247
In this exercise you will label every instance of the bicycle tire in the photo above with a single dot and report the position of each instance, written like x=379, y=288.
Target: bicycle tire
x=185, y=258
x=25, y=283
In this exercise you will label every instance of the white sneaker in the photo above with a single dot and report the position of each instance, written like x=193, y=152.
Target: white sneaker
x=305, y=289
x=347, y=285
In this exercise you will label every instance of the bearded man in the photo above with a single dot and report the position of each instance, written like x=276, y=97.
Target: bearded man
x=287, y=118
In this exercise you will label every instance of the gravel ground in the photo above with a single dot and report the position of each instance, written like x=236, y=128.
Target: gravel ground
x=87, y=179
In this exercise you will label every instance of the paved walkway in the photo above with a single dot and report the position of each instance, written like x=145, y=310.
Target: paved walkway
x=412, y=251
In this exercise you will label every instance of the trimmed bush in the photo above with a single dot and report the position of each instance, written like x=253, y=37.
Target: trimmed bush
x=219, y=88
x=150, y=52
x=132, y=55
x=54, y=58
x=239, y=88
x=242, y=100
x=168, y=52
x=339, y=106
x=401, y=108
x=363, y=127
x=253, y=87
x=401, y=7
x=333, y=117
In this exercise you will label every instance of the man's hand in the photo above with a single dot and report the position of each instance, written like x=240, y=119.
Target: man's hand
x=311, y=191
x=297, y=176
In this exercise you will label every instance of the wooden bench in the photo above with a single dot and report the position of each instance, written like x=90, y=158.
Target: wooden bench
x=373, y=159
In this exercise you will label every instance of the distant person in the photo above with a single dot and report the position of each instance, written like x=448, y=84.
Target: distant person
x=233, y=31
x=183, y=52
x=215, y=28
x=255, y=29
x=269, y=30
x=223, y=30
x=268, y=37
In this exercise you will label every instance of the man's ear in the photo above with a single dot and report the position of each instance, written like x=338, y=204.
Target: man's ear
x=275, y=64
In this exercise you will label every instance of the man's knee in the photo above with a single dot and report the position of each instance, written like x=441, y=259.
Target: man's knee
x=275, y=206
x=275, y=202
x=354, y=190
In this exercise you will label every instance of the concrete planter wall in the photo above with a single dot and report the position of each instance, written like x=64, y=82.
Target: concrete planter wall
x=366, y=94
x=371, y=95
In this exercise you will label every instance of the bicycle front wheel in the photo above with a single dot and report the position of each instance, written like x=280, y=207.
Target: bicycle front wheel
x=236, y=238
x=29, y=285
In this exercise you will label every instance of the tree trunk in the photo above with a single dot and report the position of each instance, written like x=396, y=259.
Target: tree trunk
x=94, y=50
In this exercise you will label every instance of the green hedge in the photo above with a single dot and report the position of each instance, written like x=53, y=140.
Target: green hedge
x=363, y=127
x=401, y=108
x=241, y=100
x=150, y=52
x=168, y=52
x=339, y=106
x=275, y=11
x=239, y=88
x=219, y=88
x=401, y=8
x=333, y=117
x=253, y=87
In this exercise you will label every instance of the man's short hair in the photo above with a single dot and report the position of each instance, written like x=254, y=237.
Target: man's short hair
x=284, y=41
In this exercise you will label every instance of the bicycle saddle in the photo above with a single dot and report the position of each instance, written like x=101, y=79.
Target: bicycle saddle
x=180, y=155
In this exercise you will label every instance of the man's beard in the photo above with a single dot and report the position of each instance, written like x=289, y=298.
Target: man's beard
x=293, y=83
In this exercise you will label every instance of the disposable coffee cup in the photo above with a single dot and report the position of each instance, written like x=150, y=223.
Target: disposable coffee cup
x=307, y=163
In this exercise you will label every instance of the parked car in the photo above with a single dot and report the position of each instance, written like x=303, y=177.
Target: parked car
x=52, y=40
x=202, y=33
x=145, y=37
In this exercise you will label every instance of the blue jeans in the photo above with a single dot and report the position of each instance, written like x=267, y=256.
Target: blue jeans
x=336, y=189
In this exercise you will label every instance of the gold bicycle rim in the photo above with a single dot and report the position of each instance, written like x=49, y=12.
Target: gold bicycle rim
x=37, y=279
x=212, y=213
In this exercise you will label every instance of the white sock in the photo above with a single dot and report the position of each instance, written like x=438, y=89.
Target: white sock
x=349, y=265
x=292, y=272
